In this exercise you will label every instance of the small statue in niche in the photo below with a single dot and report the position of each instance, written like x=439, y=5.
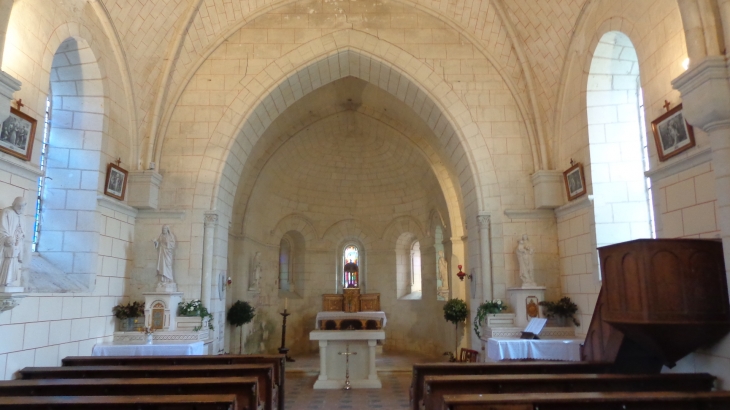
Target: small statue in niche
x=443, y=271
x=254, y=276
x=524, y=253
x=165, y=245
x=12, y=236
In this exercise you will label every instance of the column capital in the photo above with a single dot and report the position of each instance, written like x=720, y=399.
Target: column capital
x=211, y=218
x=484, y=219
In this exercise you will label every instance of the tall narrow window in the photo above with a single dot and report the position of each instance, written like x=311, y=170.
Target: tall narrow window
x=351, y=268
x=622, y=197
x=42, y=178
x=284, y=264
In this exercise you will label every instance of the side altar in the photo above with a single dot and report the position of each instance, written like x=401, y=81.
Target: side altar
x=348, y=330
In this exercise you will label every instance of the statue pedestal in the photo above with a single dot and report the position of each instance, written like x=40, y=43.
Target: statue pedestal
x=12, y=289
x=10, y=297
x=524, y=302
x=166, y=287
x=160, y=310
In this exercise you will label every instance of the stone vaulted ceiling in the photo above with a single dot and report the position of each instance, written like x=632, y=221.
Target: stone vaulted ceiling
x=147, y=29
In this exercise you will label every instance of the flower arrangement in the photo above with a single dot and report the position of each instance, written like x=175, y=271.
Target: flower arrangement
x=148, y=330
x=562, y=308
x=130, y=310
x=195, y=308
x=486, y=308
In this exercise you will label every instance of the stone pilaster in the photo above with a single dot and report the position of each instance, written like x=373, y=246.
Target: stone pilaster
x=485, y=251
x=705, y=90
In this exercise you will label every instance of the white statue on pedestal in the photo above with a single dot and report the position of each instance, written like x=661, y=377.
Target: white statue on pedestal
x=11, y=237
x=254, y=276
x=165, y=245
x=524, y=253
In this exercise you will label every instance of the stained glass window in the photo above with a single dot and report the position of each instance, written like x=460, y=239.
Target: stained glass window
x=351, y=271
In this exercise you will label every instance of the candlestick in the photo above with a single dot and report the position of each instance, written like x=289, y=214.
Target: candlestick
x=283, y=349
x=286, y=303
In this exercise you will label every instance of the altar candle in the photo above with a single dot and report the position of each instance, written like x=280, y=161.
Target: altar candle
x=286, y=303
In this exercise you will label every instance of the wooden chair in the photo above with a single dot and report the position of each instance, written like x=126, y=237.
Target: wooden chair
x=468, y=356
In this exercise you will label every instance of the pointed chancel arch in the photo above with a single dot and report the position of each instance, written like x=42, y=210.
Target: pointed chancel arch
x=350, y=53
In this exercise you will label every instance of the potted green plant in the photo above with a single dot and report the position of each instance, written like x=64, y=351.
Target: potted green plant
x=131, y=316
x=194, y=309
x=238, y=315
x=486, y=308
x=455, y=311
x=561, y=310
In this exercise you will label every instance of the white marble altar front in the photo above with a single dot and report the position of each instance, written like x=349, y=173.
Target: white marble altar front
x=362, y=343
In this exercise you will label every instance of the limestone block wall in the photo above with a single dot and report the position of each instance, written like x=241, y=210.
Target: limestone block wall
x=660, y=59
x=682, y=187
x=48, y=326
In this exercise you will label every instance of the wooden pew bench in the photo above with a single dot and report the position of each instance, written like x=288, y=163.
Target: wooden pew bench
x=159, y=402
x=278, y=360
x=420, y=371
x=718, y=400
x=268, y=392
x=244, y=388
x=436, y=387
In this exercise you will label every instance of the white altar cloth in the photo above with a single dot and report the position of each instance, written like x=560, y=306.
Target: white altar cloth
x=378, y=315
x=154, y=349
x=543, y=349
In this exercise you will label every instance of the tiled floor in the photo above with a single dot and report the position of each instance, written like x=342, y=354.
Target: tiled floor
x=394, y=371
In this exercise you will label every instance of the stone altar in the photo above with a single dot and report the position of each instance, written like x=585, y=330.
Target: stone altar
x=160, y=314
x=361, y=343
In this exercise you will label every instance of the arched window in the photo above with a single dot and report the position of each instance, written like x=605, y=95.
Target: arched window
x=416, y=267
x=351, y=267
x=442, y=276
x=68, y=219
x=285, y=264
x=408, y=267
x=617, y=138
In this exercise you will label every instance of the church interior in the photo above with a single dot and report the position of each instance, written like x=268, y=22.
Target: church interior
x=301, y=148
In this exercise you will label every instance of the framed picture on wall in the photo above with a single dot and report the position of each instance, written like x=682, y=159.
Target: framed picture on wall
x=116, y=182
x=575, y=181
x=672, y=134
x=17, y=134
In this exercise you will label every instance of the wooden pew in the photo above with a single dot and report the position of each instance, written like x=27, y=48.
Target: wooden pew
x=268, y=392
x=592, y=401
x=244, y=388
x=436, y=387
x=277, y=359
x=420, y=371
x=179, y=402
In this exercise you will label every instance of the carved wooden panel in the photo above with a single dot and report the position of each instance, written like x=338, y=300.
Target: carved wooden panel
x=667, y=295
x=351, y=299
x=370, y=302
x=332, y=303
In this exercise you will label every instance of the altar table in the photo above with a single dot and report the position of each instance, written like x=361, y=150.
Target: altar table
x=162, y=348
x=544, y=349
x=332, y=364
